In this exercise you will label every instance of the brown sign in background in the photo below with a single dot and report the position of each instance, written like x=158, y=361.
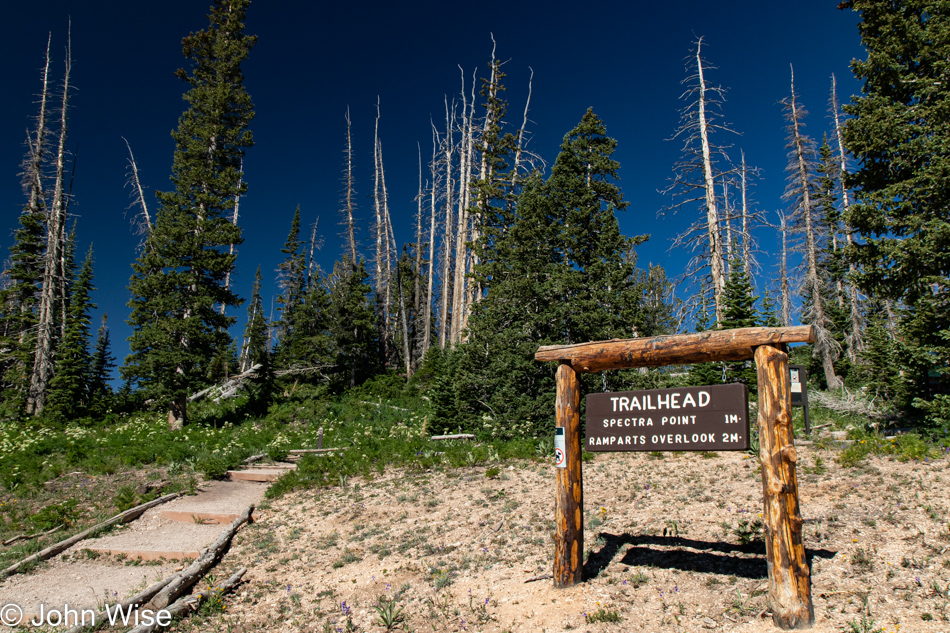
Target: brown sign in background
x=712, y=418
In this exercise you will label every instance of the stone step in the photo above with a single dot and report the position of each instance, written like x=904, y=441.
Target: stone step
x=156, y=539
x=206, y=518
x=216, y=502
x=257, y=474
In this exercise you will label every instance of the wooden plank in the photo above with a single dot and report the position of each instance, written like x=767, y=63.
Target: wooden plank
x=678, y=349
x=789, y=575
x=569, y=502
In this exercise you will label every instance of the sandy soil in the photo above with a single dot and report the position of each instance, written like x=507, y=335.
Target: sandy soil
x=457, y=551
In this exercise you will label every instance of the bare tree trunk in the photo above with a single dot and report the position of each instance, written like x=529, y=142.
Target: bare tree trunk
x=786, y=307
x=351, y=233
x=449, y=218
x=234, y=220
x=712, y=213
x=407, y=358
x=727, y=217
x=313, y=249
x=856, y=336
x=431, y=271
x=459, y=284
x=416, y=278
x=519, y=146
x=145, y=225
x=824, y=345
x=746, y=237
x=53, y=272
x=390, y=248
x=474, y=290
x=379, y=253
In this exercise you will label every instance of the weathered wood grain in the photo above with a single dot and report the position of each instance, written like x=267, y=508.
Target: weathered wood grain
x=679, y=349
x=569, y=503
x=789, y=574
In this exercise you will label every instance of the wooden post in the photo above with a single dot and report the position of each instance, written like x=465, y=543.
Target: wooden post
x=789, y=575
x=569, y=503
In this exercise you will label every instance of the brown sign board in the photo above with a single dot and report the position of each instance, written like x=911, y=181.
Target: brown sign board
x=711, y=418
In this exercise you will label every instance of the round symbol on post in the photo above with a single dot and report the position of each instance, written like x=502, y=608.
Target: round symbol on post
x=558, y=456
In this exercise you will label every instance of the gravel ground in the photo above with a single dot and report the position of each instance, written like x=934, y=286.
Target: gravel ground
x=673, y=545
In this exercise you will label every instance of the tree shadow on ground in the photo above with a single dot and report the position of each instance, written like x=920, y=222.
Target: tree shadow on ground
x=714, y=557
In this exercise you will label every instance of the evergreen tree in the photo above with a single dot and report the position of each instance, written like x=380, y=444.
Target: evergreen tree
x=831, y=260
x=738, y=310
x=18, y=304
x=69, y=387
x=352, y=325
x=561, y=273
x=599, y=298
x=178, y=284
x=704, y=373
x=292, y=279
x=256, y=332
x=900, y=139
x=769, y=312
x=103, y=362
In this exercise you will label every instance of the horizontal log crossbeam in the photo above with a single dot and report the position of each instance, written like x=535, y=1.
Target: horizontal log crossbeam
x=679, y=349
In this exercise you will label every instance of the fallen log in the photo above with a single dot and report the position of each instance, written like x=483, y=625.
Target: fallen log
x=140, y=598
x=231, y=383
x=318, y=451
x=190, y=603
x=30, y=537
x=53, y=550
x=209, y=556
x=457, y=436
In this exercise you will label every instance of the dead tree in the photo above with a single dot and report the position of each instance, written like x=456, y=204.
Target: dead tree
x=349, y=202
x=448, y=146
x=694, y=176
x=427, y=336
x=143, y=223
x=53, y=262
x=786, y=299
x=462, y=241
x=855, y=337
x=417, y=276
x=804, y=213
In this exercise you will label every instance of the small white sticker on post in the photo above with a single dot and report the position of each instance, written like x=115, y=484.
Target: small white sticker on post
x=560, y=456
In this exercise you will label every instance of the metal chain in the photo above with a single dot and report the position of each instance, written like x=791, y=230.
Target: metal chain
x=604, y=376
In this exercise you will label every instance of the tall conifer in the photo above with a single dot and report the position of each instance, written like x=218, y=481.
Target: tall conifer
x=179, y=280
x=69, y=387
x=900, y=138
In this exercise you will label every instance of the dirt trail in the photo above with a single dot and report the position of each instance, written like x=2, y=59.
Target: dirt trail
x=115, y=566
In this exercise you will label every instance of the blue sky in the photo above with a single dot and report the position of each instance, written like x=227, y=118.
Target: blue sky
x=313, y=60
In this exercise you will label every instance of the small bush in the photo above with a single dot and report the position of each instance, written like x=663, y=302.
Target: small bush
x=603, y=615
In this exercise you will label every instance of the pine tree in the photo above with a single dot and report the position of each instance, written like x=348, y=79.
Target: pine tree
x=561, y=273
x=103, y=362
x=900, y=139
x=353, y=325
x=255, y=351
x=69, y=387
x=768, y=313
x=18, y=305
x=179, y=281
x=738, y=310
x=292, y=279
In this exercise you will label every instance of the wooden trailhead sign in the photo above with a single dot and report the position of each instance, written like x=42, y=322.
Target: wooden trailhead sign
x=789, y=572
x=713, y=418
